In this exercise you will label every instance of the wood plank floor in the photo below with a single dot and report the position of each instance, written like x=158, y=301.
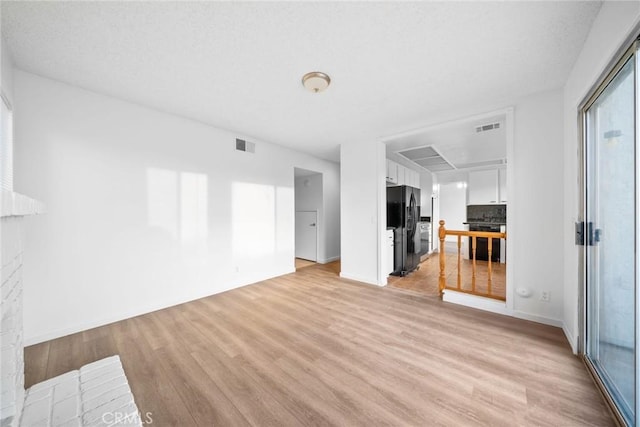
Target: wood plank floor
x=302, y=263
x=310, y=348
x=425, y=279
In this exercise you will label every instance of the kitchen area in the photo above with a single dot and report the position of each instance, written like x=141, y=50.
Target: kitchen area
x=458, y=174
x=408, y=220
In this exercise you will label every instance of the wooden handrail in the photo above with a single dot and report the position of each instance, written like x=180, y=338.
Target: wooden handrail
x=442, y=280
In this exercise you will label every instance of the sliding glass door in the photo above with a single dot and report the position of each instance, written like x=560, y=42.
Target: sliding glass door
x=611, y=235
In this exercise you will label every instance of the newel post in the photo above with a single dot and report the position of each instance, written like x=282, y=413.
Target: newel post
x=441, y=234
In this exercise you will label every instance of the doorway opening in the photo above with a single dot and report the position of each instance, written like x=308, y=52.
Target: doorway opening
x=465, y=179
x=308, y=217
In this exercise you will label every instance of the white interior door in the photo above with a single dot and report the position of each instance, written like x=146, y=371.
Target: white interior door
x=307, y=235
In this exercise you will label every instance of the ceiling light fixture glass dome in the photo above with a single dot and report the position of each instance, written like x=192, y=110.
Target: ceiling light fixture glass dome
x=316, y=81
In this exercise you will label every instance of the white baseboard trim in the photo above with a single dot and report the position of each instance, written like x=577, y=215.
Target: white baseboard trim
x=538, y=319
x=83, y=326
x=499, y=307
x=573, y=342
x=360, y=279
x=328, y=260
x=474, y=301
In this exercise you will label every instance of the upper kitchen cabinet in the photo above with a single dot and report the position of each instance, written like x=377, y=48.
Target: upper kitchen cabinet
x=400, y=175
x=407, y=176
x=483, y=187
x=414, y=178
x=392, y=172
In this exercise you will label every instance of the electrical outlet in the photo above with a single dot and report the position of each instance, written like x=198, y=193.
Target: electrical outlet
x=545, y=296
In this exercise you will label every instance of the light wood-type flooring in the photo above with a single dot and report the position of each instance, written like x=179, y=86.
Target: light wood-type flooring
x=425, y=279
x=302, y=263
x=310, y=348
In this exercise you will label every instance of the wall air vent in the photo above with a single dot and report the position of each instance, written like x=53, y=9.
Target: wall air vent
x=490, y=126
x=428, y=158
x=242, y=145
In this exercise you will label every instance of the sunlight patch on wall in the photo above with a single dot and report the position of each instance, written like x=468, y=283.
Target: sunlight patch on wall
x=253, y=216
x=178, y=204
x=193, y=207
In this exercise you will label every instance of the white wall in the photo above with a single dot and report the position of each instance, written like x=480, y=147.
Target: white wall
x=535, y=224
x=453, y=207
x=453, y=176
x=145, y=209
x=363, y=212
x=330, y=237
x=615, y=22
x=426, y=191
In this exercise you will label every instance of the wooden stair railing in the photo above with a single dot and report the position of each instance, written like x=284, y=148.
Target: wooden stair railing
x=442, y=280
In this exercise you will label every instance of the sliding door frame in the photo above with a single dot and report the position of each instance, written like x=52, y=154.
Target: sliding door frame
x=629, y=50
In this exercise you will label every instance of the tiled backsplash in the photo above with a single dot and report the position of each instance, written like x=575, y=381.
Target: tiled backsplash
x=487, y=213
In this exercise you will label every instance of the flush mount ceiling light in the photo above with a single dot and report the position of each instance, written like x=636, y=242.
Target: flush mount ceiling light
x=316, y=81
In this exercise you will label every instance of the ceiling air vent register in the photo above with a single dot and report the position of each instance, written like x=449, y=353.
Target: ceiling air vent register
x=242, y=145
x=428, y=158
x=490, y=126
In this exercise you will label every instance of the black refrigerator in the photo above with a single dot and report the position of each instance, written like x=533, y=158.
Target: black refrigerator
x=403, y=214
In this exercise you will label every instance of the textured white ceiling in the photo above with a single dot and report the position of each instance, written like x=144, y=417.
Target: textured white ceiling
x=458, y=142
x=238, y=65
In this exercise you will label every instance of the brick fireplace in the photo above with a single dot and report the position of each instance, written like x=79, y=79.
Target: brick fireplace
x=14, y=208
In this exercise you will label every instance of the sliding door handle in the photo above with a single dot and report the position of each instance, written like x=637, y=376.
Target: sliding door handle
x=594, y=235
x=579, y=235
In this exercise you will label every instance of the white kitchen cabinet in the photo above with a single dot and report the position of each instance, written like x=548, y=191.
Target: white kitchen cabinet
x=483, y=187
x=502, y=185
x=390, y=251
x=402, y=175
x=392, y=172
x=411, y=178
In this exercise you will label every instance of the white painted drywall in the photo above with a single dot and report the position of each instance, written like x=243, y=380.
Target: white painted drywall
x=426, y=191
x=330, y=236
x=363, y=211
x=145, y=209
x=536, y=229
x=614, y=23
x=452, y=176
x=453, y=207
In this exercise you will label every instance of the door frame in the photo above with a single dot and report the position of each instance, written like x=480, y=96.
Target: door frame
x=509, y=113
x=628, y=49
x=300, y=172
